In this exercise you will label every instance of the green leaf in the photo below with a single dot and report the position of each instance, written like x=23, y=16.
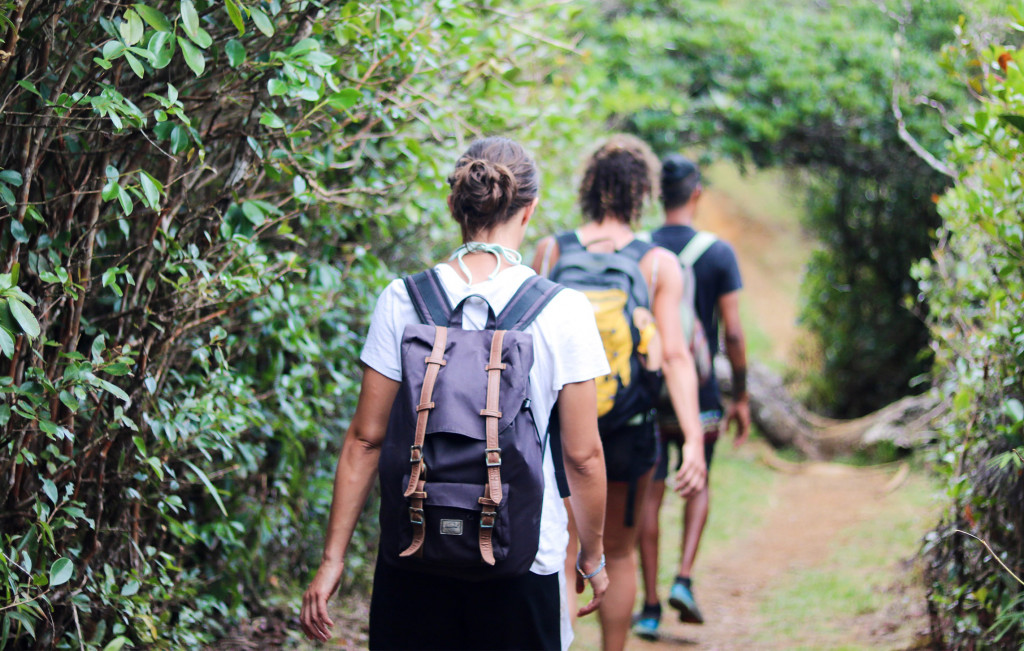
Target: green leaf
x=117, y=643
x=157, y=467
x=131, y=27
x=344, y=99
x=262, y=21
x=99, y=343
x=277, y=87
x=236, y=53
x=1015, y=120
x=193, y=56
x=189, y=19
x=118, y=369
x=24, y=618
x=11, y=177
x=112, y=49
x=29, y=86
x=24, y=317
x=18, y=231
x=130, y=588
x=7, y=196
x=209, y=486
x=112, y=389
x=156, y=19
x=162, y=47
x=1015, y=409
x=179, y=139
x=151, y=189
x=203, y=39
x=235, y=15
x=61, y=571
x=109, y=191
x=125, y=199
x=50, y=489
x=135, y=64
x=253, y=213
x=268, y=119
x=6, y=343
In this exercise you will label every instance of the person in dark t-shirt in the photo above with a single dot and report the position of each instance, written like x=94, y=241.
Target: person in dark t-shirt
x=716, y=299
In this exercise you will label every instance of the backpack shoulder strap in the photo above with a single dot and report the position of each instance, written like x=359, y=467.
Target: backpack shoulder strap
x=636, y=249
x=568, y=241
x=528, y=301
x=696, y=247
x=428, y=297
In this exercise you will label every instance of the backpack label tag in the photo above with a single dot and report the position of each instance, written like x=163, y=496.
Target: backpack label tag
x=451, y=527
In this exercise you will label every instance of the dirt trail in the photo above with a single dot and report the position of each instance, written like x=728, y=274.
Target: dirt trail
x=756, y=215
x=812, y=506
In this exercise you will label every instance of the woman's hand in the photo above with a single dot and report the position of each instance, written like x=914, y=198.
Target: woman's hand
x=316, y=623
x=598, y=583
x=693, y=473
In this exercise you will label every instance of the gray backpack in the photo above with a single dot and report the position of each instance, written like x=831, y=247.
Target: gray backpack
x=461, y=463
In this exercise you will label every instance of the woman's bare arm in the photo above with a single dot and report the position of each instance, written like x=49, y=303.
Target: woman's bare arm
x=585, y=470
x=678, y=369
x=355, y=474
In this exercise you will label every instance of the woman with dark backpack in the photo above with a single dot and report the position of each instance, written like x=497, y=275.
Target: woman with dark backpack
x=621, y=274
x=463, y=364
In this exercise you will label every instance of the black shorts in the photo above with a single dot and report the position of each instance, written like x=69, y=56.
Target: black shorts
x=413, y=610
x=630, y=450
x=710, y=421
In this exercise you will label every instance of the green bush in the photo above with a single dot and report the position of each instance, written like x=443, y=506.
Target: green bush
x=790, y=84
x=198, y=202
x=974, y=283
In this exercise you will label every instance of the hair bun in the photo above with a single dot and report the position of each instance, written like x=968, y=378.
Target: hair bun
x=493, y=180
x=481, y=187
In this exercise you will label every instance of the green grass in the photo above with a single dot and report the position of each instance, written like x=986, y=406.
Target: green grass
x=816, y=608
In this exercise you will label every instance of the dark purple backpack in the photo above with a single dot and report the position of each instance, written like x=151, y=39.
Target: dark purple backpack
x=461, y=465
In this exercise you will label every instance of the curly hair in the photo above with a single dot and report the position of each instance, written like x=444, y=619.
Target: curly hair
x=492, y=181
x=619, y=176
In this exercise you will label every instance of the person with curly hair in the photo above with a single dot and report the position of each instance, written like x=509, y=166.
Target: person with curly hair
x=619, y=177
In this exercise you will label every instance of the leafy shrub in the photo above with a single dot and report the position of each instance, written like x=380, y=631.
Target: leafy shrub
x=790, y=84
x=199, y=201
x=974, y=283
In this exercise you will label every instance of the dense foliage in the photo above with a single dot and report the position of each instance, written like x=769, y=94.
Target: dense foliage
x=791, y=84
x=975, y=286
x=200, y=199
x=198, y=202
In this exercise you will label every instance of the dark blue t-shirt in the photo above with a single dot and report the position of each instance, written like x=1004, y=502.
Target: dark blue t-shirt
x=717, y=274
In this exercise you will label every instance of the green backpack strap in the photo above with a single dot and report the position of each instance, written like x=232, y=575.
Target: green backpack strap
x=696, y=247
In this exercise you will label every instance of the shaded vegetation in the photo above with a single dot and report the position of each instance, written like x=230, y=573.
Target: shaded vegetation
x=792, y=85
x=198, y=201
x=974, y=283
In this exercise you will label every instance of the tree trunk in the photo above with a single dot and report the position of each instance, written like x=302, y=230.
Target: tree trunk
x=907, y=423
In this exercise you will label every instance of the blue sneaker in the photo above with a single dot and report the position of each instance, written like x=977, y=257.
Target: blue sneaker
x=681, y=598
x=645, y=623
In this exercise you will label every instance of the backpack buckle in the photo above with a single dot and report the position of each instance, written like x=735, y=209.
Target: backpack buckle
x=487, y=457
x=415, y=453
x=415, y=513
x=487, y=519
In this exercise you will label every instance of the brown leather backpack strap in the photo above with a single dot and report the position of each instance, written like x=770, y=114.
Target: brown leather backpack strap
x=417, y=519
x=492, y=454
x=415, y=490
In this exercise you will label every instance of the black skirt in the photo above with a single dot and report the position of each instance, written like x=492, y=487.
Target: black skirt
x=413, y=610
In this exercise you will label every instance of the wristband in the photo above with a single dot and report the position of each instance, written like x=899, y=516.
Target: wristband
x=586, y=577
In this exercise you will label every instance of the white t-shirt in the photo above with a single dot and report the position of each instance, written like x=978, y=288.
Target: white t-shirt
x=566, y=349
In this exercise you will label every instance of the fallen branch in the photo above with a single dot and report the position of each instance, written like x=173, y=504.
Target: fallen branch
x=785, y=422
